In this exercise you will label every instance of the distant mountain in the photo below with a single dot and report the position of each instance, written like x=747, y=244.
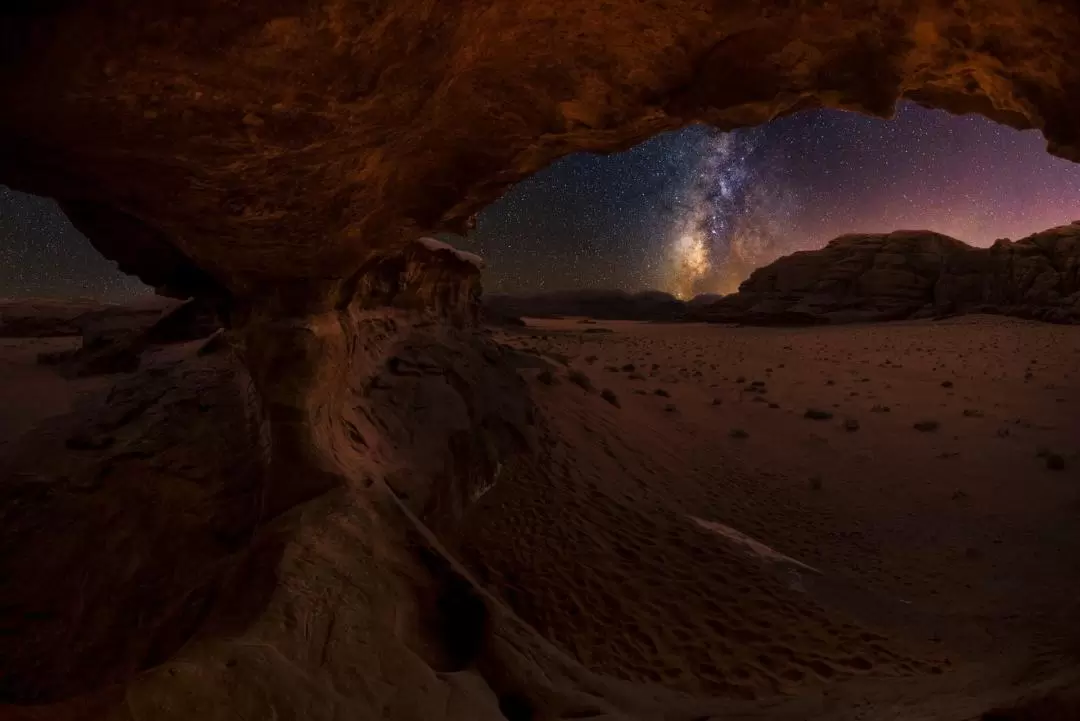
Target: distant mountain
x=600, y=304
x=911, y=274
x=703, y=299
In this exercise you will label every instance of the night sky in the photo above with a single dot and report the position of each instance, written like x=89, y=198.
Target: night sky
x=42, y=255
x=689, y=212
x=695, y=211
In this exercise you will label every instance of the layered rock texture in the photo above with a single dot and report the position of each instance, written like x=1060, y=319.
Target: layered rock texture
x=213, y=144
x=259, y=526
x=912, y=274
x=269, y=531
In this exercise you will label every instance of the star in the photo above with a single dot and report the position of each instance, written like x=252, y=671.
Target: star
x=690, y=211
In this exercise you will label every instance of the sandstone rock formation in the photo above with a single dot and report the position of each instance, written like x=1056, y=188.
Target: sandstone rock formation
x=278, y=160
x=113, y=336
x=176, y=539
x=222, y=145
x=912, y=274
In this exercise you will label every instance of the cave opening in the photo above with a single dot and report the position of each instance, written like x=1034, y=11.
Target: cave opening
x=693, y=212
x=43, y=255
x=724, y=518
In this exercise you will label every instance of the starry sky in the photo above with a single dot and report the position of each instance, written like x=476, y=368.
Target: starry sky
x=42, y=255
x=692, y=211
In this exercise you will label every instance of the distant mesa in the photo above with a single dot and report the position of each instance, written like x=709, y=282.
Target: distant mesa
x=855, y=278
x=911, y=274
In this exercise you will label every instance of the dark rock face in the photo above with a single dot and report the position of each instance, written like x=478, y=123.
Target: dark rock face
x=283, y=155
x=208, y=144
x=113, y=337
x=600, y=304
x=912, y=274
x=46, y=318
x=167, y=463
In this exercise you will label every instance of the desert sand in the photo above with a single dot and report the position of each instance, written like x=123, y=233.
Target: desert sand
x=878, y=551
x=698, y=522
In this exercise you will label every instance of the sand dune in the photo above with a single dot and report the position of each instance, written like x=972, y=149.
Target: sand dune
x=938, y=548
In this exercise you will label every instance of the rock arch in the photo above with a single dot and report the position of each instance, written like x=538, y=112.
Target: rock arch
x=281, y=155
x=208, y=141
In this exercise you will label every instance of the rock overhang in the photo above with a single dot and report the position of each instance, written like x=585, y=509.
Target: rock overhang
x=213, y=147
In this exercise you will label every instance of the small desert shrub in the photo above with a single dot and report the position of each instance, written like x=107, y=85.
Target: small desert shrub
x=926, y=426
x=816, y=414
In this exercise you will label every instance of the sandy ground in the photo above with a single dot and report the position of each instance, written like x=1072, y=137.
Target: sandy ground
x=679, y=526
x=31, y=393
x=706, y=534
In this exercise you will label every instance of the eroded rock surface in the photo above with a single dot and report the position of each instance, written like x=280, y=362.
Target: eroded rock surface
x=278, y=158
x=217, y=144
x=204, y=541
x=912, y=274
x=113, y=338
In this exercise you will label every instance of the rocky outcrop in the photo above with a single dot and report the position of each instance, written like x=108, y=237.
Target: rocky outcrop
x=176, y=538
x=114, y=337
x=54, y=318
x=278, y=159
x=599, y=304
x=233, y=145
x=910, y=274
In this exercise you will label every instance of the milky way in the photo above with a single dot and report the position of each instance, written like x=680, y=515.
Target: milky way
x=695, y=211
x=689, y=212
x=729, y=220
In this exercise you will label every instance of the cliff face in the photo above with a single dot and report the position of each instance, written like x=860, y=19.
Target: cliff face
x=913, y=274
x=178, y=538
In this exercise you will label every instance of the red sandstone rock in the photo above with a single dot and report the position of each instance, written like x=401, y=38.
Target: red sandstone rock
x=278, y=158
x=912, y=274
x=211, y=144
